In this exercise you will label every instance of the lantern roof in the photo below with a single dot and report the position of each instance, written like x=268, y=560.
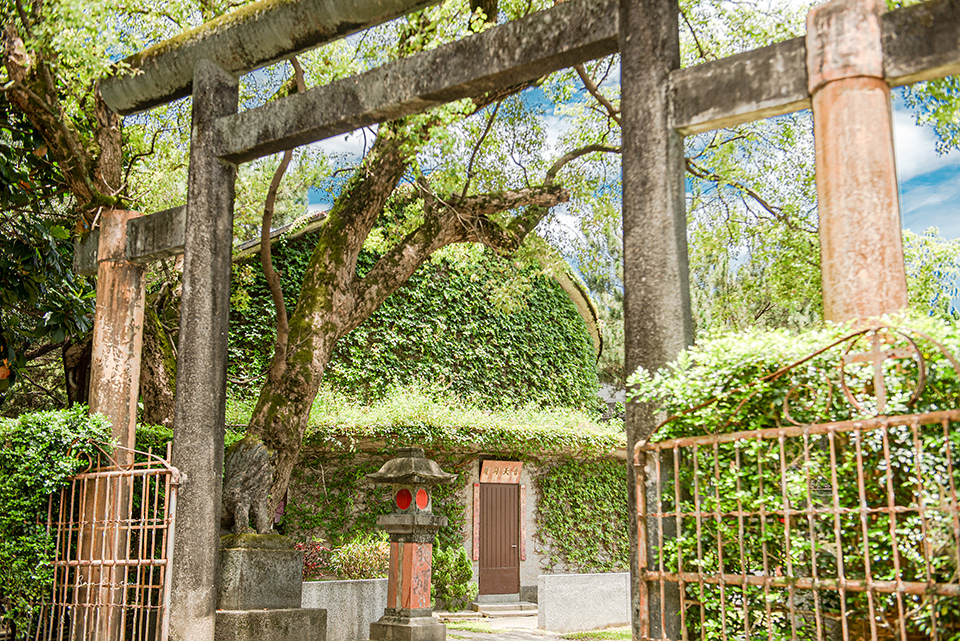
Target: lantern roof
x=411, y=467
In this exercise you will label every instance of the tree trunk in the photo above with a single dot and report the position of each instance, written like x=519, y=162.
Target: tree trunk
x=158, y=371
x=334, y=300
x=76, y=368
x=326, y=306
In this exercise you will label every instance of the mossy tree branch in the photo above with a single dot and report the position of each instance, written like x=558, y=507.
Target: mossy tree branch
x=91, y=168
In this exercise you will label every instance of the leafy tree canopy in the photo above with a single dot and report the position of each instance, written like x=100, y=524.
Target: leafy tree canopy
x=43, y=302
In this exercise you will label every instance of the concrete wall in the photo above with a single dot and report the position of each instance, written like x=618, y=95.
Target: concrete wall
x=572, y=602
x=351, y=605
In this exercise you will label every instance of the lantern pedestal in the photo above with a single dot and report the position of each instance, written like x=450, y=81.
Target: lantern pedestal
x=408, y=616
x=259, y=593
x=407, y=629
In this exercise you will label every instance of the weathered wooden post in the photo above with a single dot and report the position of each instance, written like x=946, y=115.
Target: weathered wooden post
x=861, y=247
x=656, y=305
x=117, y=331
x=202, y=365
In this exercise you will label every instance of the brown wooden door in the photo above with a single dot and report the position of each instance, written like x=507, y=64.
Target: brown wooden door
x=499, y=538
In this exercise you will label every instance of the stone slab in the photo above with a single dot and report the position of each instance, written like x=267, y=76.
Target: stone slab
x=575, y=602
x=502, y=56
x=271, y=625
x=498, y=598
x=260, y=579
x=408, y=629
x=351, y=605
x=528, y=593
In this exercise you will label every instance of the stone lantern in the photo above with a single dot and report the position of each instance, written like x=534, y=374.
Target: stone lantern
x=412, y=527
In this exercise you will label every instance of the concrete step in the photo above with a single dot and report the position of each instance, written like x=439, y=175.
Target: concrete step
x=503, y=607
x=462, y=615
x=511, y=614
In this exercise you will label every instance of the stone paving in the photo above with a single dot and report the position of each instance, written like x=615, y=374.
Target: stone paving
x=506, y=629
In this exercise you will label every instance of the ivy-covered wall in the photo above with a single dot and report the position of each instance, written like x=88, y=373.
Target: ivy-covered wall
x=580, y=507
x=330, y=498
x=582, y=516
x=469, y=320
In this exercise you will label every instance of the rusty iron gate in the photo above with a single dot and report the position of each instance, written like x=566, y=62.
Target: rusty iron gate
x=839, y=530
x=113, y=529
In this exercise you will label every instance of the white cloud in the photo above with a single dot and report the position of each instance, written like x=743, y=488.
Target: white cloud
x=916, y=148
x=554, y=127
x=350, y=146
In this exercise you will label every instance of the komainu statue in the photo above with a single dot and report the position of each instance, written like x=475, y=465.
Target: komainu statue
x=247, y=476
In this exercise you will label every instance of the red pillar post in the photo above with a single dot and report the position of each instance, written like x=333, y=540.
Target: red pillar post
x=114, y=389
x=117, y=330
x=861, y=246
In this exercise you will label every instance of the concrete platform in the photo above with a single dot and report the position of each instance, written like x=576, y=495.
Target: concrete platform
x=506, y=610
x=298, y=624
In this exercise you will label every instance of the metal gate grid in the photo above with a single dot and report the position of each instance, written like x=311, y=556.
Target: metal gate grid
x=842, y=530
x=113, y=528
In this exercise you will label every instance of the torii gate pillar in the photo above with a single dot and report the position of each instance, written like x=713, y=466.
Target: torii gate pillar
x=202, y=364
x=861, y=248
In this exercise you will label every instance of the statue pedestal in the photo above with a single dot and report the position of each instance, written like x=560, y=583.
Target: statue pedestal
x=258, y=596
x=259, y=572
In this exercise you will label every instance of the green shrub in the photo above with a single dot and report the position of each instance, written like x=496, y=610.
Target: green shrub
x=367, y=557
x=38, y=454
x=727, y=382
x=154, y=437
x=891, y=487
x=451, y=585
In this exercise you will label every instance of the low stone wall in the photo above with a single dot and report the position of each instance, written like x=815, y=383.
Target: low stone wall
x=351, y=605
x=574, y=602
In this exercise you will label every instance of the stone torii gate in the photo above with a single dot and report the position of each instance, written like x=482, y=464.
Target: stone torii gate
x=660, y=104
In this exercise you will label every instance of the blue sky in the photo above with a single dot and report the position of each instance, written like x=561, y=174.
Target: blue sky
x=929, y=183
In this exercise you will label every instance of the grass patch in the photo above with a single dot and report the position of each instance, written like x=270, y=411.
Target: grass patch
x=439, y=420
x=610, y=634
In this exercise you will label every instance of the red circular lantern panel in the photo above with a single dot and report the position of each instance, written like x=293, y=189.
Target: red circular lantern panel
x=404, y=498
x=422, y=499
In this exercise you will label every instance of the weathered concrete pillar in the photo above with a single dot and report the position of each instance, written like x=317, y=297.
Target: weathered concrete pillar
x=860, y=239
x=657, y=317
x=114, y=388
x=202, y=365
x=117, y=329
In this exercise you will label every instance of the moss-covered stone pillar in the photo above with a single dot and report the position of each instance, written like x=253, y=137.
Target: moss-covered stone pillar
x=202, y=366
x=656, y=303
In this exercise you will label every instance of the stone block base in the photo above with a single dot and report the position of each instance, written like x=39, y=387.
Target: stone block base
x=394, y=628
x=300, y=624
x=259, y=572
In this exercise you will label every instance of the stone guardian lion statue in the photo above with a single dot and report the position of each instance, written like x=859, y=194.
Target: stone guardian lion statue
x=247, y=477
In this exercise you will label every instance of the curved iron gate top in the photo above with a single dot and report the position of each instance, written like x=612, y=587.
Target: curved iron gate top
x=812, y=530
